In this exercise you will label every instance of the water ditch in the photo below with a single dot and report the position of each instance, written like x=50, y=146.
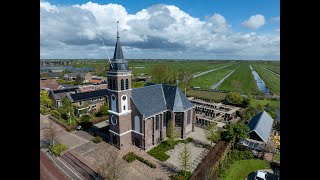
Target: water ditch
x=260, y=83
x=215, y=86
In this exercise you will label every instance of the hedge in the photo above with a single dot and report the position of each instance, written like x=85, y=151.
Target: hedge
x=130, y=157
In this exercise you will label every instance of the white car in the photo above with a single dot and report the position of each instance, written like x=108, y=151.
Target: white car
x=260, y=175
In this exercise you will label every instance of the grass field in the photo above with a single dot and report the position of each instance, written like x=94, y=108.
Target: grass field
x=271, y=80
x=276, y=157
x=273, y=66
x=213, y=96
x=241, y=169
x=207, y=80
x=241, y=80
x=145, y=67
x=273, y=103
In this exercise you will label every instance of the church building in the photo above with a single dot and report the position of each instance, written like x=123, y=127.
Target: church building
x=140, y=116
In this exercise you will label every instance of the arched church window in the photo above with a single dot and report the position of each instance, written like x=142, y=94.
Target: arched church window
x=122, y=84
x=124, y=107
x=127, y=84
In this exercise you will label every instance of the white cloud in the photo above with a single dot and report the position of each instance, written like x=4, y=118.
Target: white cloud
x=277, y=30
x=254, y=22
x=276, y=19
x=160, y=31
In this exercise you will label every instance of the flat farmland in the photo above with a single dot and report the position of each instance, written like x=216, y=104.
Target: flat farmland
x=273, y=66
x=271, y=80
x=207, y=80
x=146, y=66
x=241, y=80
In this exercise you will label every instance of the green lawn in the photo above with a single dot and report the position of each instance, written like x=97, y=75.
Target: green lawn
x=241, y=80
x=241, y=169
x=272, y=66
x=273, y=103
x=214, y=96
x=207, y=80
x=276, y=157
x=271, y=80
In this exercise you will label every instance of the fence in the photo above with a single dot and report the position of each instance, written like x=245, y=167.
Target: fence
x=207, y=169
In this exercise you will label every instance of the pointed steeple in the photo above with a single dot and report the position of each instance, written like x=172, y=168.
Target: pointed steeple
x=118, y=54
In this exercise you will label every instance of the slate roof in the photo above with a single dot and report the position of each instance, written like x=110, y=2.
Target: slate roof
x=60, y=94
x=176, y=100
x=261, y=124
x=82, y=75
x=118, y=54
x=53, y=74
x=87, y=95
x=153, y=99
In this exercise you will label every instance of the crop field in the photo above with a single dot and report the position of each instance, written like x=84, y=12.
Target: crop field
x=207, y=80
x=139, y=66
x=241, y=80
x=271, y=80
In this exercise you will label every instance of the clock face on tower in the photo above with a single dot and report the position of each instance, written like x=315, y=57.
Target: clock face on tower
x=114, y=120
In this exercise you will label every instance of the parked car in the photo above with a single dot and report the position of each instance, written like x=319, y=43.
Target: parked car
x=260, y=175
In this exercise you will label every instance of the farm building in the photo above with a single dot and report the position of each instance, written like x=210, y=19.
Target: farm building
x=260, y=127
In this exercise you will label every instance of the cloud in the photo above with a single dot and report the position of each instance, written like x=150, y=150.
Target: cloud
x=254, y=22
x=277, y=30
x=159, y=31
x=276, y=19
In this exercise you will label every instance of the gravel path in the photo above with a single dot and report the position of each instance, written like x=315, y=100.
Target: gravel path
x=202, y=73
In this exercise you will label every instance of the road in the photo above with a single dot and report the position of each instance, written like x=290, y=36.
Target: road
x=202, y=73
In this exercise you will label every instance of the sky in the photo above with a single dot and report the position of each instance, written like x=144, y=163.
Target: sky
x=153, y=29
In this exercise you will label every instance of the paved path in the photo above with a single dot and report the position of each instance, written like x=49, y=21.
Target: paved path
x=202, y=73
x=218, y=83
x=270, y=71
x=61, y=135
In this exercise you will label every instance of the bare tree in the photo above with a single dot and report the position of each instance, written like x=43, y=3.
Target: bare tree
x=113, y=166
x=270, y=147
x=50, y=132
x=184, y=158
x=171, y=133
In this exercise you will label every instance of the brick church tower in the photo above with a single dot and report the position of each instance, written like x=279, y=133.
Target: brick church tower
x=119, y=86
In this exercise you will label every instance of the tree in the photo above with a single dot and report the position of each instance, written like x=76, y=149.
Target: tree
x=163, y=73
x=103, y=111
x=171, y=133
x=113, y=166
x=45, y=99
x=50, y=132
x=184, y=78
x=235, y=131
x=184, y=158
x=270, y=147
x=78, y=80
x=212, y=133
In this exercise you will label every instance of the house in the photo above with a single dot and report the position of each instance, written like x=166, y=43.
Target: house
x=140, y=116
x=260, y=127
x=92, y=87
x=91, y=101
x=53, y=75
x=57, y=96
x=49, y=84
x=86, y=77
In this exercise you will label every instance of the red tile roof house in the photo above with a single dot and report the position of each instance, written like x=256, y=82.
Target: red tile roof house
x=49, y=84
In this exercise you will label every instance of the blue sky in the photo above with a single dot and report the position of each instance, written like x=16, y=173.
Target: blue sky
x=223, y=20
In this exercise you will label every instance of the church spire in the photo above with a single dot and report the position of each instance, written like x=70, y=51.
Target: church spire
x=118, y=54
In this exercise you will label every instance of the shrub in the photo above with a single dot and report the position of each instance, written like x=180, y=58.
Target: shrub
x=58, y=148
x=130, y=157
x=180, y=176
x=158, y=152
x=56, y=113
x=97, y=139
